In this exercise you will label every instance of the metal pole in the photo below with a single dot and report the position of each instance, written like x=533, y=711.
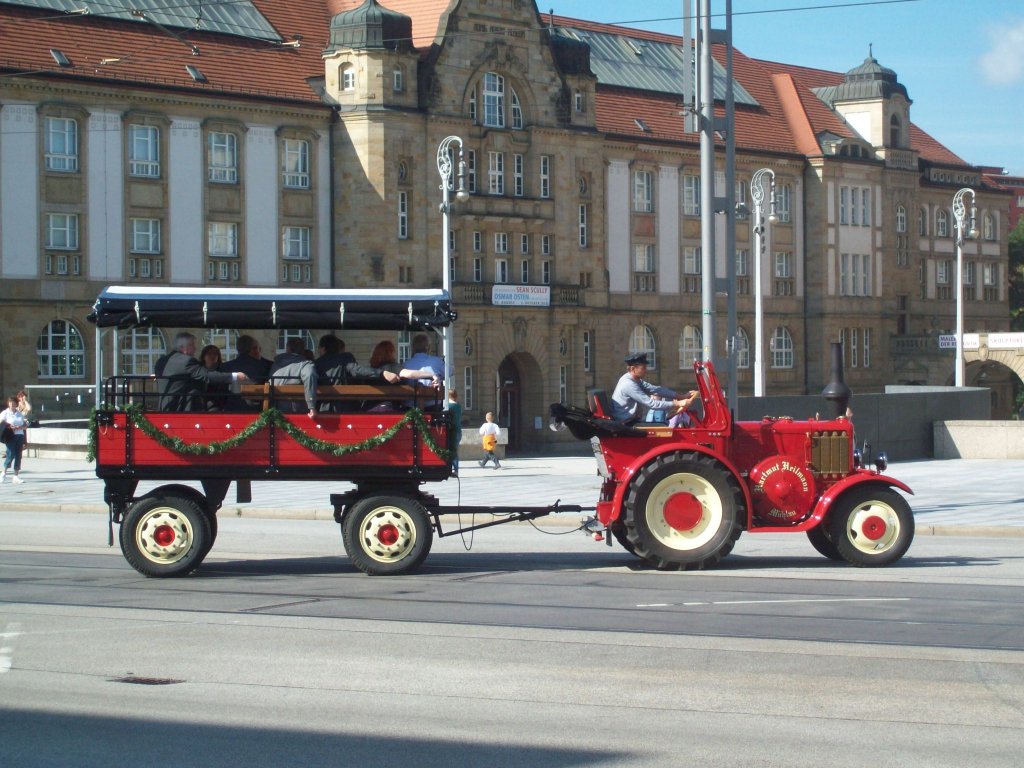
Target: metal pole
x=730, y=213
x=445, y=169
x=757, y=194
x=959, y=215
x=707, y=180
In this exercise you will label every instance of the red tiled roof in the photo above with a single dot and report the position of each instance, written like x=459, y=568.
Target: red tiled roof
x=139, y=52
x=787, y=116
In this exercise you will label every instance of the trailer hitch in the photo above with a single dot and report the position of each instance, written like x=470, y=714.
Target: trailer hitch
x=510, y=515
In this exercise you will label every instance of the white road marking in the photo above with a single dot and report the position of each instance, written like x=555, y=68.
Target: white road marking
x=793, y=600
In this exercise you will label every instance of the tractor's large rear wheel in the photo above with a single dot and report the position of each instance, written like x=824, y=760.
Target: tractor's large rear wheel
x=819, y=538
x=387, y=535
x=871, y=526
x=683, y=512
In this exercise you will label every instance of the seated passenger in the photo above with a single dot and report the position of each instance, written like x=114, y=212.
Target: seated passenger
x=385, y=357
x=185, y=379
x=249, y=360
x=291, y=367
x=216, y=394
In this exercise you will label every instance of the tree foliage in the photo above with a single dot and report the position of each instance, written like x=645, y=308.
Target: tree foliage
x=1016, y=277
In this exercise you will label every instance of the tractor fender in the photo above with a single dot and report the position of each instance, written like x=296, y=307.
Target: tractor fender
x=641, y=461
x=834, y=492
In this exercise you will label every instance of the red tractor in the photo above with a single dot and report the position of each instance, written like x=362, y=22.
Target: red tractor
x=679, y=498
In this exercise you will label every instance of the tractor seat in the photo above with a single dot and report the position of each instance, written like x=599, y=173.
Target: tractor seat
x=600, y=405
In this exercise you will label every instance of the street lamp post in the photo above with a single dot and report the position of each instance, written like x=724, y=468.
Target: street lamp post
x=445, y=167
x=959, y=216
x=757, y=193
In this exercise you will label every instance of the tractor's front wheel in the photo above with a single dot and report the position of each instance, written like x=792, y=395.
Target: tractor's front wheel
x=387, y=535
x=683, y=511
x=871, y=526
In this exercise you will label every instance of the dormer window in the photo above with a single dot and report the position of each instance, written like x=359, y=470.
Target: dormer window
x=348, y=78
x=895, y=131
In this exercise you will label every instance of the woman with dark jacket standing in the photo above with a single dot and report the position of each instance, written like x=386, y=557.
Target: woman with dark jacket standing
x=14, y=423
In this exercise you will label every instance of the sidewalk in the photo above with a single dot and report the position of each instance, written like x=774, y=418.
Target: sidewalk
x=983, y=497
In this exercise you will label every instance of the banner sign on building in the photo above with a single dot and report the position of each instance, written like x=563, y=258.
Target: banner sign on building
x=521, y=295
x=1005, y=340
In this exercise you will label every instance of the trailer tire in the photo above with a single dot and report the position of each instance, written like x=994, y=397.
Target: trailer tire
x=819, y=538
x=871, y=526
x=165, y=536
x=188, y=492
x=683, y=512
x=387, y=535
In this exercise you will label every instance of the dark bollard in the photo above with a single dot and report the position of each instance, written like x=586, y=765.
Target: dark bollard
x=836, y=391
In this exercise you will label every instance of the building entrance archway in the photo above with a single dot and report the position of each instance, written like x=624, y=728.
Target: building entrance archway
x=992, y=360
x=520, y=388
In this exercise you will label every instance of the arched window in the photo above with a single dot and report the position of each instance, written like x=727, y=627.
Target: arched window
x=895, y=131
x=922, y=222
x=348, y=77
x=224, y=339
x=500, y=102
x=642, y=341
x=494, y=100
x=782, y=348
x=290, y=333
x=140, y=349
x=901, y=219
x=742, y=349
x=691, y=346
x=60, y=351
x=941, y=223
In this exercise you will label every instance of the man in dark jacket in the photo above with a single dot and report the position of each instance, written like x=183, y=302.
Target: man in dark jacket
x=185, y=379
x=249, y=360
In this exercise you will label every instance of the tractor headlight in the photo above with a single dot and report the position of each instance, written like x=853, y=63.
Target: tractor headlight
x=882, y=462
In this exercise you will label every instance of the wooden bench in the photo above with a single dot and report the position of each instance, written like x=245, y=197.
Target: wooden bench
x=342, y=393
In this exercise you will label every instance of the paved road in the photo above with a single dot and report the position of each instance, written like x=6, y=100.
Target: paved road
x=529, y=650
x=526, y=650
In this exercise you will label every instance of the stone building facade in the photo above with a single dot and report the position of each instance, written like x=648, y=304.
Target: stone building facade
x=308, y=158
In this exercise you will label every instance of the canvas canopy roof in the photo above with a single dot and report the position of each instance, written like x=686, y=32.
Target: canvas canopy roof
x=121, y=306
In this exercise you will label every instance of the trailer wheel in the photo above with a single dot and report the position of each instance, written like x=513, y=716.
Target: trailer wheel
x=387, y=535
x=683, y=512
x=872, y=526
x=820, y=540
x=188, y=492
x=165, y=536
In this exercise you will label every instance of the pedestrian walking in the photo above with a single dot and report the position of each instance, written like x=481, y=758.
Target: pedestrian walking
x=12, y=432
x=489, y=432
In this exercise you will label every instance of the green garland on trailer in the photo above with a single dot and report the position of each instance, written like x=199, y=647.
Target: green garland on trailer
x=271, y=417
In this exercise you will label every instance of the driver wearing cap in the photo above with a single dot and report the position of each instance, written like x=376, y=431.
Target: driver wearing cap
x=633, y=396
